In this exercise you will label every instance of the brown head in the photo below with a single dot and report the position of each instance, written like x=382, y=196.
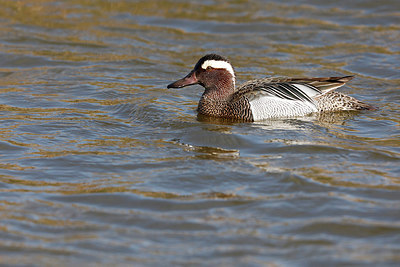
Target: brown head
x=215, y=73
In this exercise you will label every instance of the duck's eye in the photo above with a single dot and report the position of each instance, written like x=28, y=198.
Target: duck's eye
x=209, y=68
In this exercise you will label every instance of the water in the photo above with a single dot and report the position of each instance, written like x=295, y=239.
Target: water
x=100, y=164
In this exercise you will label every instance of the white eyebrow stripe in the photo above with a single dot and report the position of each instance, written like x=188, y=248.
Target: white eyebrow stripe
x=218, y=64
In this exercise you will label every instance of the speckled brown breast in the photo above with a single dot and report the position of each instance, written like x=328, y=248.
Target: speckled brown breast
x=238, y=108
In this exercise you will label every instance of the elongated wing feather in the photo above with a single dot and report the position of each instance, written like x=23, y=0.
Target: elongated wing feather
x=326, y=84
x=291, y=91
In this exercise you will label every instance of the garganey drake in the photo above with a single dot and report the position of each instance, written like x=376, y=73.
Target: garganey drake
x=264, y=98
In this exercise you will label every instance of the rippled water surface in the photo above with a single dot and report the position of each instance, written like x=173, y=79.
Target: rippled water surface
x=101, y=164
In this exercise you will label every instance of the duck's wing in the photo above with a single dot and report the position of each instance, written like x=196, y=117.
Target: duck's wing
x=296, y=89
x=282, y=88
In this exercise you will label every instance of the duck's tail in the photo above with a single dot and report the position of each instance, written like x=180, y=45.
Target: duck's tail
x=335, y=101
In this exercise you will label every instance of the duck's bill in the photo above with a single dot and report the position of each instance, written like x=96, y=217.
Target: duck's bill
x=190, y=79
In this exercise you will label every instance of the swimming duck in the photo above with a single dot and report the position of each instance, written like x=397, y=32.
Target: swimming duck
x=265, y=98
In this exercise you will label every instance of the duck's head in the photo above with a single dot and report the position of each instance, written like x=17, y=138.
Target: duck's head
x=213, y=72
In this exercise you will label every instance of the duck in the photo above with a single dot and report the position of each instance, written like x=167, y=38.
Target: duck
x=265, y=98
